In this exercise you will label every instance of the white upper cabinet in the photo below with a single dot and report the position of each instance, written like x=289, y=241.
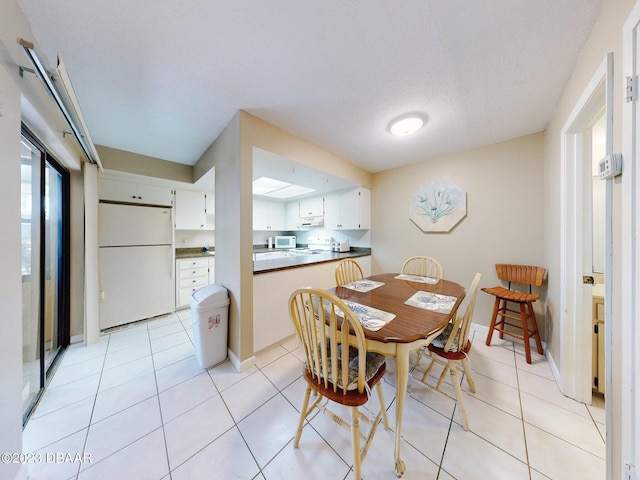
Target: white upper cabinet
x=268, y=215
x=116, y=190
x=312, y=207
x=348, y=210
x=210, y=210
x=210, y=203
x=190, y=210
x=292, y=215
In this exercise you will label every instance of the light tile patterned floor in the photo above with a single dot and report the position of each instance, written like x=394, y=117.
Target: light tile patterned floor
x=139, y=404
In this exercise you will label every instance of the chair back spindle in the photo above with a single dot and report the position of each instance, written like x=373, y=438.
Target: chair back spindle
x=423, y=266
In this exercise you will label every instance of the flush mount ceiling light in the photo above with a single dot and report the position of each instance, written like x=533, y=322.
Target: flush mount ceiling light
x=265, y=185
x=406, y=124
x=271, y=187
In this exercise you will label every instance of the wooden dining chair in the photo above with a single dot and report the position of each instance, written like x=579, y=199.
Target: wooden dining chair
x=525, y=318
x=453, y=346
x=337, y=365
x=423, y=266
x=348, y=271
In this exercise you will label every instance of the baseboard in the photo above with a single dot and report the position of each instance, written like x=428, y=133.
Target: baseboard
x=77, y=338
x=554, y=369
x=241, y=366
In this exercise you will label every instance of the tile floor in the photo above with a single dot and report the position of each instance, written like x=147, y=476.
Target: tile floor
x=138, y=404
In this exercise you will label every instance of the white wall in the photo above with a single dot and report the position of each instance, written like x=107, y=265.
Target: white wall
x=504, y=222
x=194, y=238
x=10, y=274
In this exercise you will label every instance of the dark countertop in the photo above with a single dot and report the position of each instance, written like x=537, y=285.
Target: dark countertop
x=265, y=266
x=193, y=252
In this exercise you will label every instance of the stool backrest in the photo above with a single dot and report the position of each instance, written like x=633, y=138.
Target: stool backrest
x=525, y=274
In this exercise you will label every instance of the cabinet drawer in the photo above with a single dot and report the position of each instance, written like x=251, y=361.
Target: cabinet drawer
x=198, y=281
x=194, y=272
x=187, y=263
x=184, y=294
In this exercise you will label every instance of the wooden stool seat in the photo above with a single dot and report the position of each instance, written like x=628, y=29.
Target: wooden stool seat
x=524, y=317
x=510, y=295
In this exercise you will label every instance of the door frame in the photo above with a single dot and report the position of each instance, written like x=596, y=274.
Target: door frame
x=627, y=420
x=575, y=297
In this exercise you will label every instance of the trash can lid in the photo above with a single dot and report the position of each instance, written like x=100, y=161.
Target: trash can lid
x=210, y=296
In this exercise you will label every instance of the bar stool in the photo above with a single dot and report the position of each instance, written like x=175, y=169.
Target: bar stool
x=525, y=320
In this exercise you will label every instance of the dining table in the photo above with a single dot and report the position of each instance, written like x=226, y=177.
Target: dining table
x=421, y=307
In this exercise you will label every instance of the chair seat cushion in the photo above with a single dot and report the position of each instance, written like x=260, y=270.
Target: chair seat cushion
x=441, y=340
x=510, y=295
x=373, y=363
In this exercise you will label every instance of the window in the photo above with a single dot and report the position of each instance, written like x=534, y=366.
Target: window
x=45, y=266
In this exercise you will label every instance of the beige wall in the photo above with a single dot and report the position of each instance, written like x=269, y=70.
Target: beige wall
x=232, y=156
x=605, y=37
x=504, y=222
x=232, y=237
x=129, y=162
x=263, y=135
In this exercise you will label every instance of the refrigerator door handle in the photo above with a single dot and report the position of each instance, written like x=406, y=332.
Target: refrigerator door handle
x=172, y=264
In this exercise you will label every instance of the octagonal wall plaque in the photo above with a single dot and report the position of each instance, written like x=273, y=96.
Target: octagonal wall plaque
x=437, y=206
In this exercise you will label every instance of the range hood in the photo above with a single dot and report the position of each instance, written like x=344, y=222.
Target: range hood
x=311, y=221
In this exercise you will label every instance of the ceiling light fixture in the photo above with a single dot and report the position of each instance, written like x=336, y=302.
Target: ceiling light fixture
x=406, y=124
x=270, y=187
x=264, y=185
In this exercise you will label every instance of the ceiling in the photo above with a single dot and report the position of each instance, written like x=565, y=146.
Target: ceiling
x=163, y=78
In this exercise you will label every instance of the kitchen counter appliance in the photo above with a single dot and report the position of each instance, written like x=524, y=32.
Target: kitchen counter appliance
x=288, y=241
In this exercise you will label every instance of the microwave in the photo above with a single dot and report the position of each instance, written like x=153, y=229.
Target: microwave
x=285, y=242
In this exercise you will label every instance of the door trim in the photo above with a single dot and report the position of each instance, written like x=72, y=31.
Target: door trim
x=626, y=422
x=575, y=302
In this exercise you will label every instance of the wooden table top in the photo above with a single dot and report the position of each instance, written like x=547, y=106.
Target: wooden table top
x=411, y=323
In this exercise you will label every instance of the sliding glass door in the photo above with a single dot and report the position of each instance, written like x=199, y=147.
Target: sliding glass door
x=45, y=266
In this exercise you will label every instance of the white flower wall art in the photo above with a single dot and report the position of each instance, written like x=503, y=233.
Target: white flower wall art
x=437, y=206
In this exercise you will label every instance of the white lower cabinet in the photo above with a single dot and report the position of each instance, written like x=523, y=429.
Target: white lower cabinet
x=192, y=274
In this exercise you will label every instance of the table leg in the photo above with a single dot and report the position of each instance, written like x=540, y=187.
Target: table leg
x=402, y=379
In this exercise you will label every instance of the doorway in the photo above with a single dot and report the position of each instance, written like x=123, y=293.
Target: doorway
x=45, y=267
x=592, y=113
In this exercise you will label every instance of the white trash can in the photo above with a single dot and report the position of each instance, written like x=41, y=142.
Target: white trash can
x=210, y=319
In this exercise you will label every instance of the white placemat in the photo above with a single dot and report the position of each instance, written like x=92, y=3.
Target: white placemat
x=363, y=285
x=370, y=318
x=432, y=301
x=417, y=278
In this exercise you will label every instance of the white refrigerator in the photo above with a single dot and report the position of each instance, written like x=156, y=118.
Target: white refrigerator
x=136, y=258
